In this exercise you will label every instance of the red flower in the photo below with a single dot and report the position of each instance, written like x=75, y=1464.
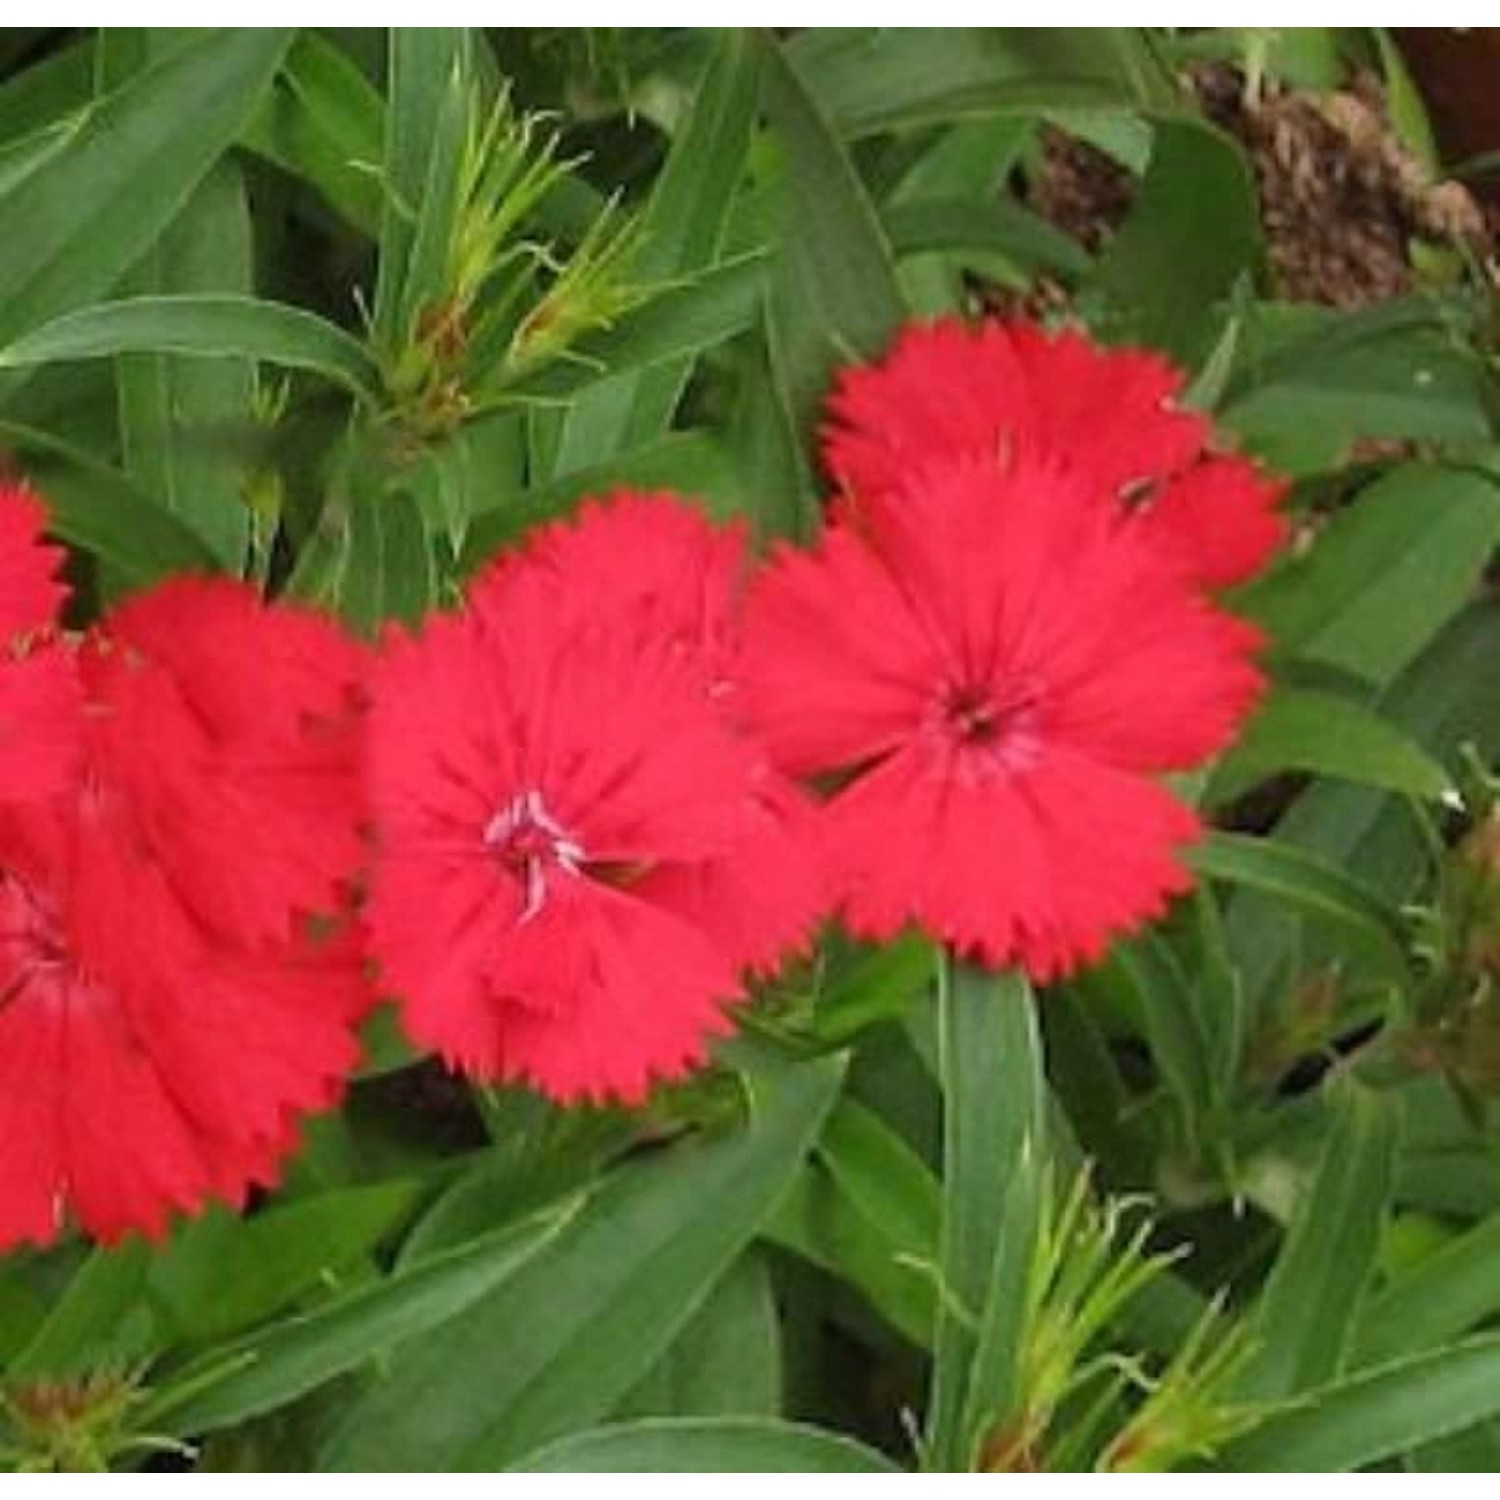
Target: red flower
x=166, y=1010
x=949, y=390
x=567, y=821
x=30, y=592
x=255, y=789
x=995, y=666
x=653, y=557
x=660, y=563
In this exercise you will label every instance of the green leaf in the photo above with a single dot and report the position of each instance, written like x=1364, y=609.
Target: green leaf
x=834, y=297
x=481, y=466
x=876, y=80
x=235, y=1381
x=324, y=122
x=883, y=1177
x=222, y=1273
x=1310, y=381
x=424, y=61
x=1445, y=1295
x=1308, y=883
x=1442, y=701
x=1191, y=234
x=187, y=450
x=681, y=234
x=208, y=324
x=1216, y=986
x=22, y=1313
x=126, y=173
x=1298, y=729
x=1377, y=1414
x=1474, y=1450
x=1404, y=107
x=95, y=507
x=937, y=214
x=706, y=1445
x=868, y=1210
x=388, y=571
x=180, y=420
x=1385, y=573
x=726, y=1361
x=20, y=158
x=994, y=226
x=879, y=986
x=818, y=1222
x=1090, y=1090
x=100, y=1317
x=994, y=1387
x=542, y=1152
x=1176, y=1028
x=556, y=1348
x=780, y=495
x=964, y=162
x=1305, y=1323
x=56, y=85
x=439, y=207
x=1447, y=1166
x=994, y=1122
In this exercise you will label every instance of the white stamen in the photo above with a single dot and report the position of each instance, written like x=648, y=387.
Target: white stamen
x=527, y=813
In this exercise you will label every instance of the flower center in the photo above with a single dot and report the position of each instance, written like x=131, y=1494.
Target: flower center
x=974, y=716
x=997, y=729
x=533, y=846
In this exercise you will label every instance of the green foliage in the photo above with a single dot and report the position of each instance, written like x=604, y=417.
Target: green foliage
x=346, y=312
x=698, y=1445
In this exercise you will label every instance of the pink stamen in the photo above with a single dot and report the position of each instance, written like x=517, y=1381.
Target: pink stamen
x=531, y=843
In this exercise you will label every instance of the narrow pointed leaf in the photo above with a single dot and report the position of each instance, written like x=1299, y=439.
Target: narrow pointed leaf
x=127, y=171
x=100, y=1315
x=1386, y=572
x=323, y=121
x=423, y=61
x=1444, y=1296
x=994, y=1102
x=706, y=1445
x=184, y=426
x=222, y=1273
x=1299, y=729
x=681, y=234
x=1377, y=1414
x=388, y=571
x=726, y=1362
x=235, y=1381
x=209, y=324
x=835, y=297
x=1306, y=1319
x=1304, y=881
x=555, y=1349
x=872, y=80
x=1190, y=236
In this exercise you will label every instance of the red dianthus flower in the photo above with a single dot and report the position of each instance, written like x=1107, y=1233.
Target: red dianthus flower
x=660, y=563
x=30, y=590
x=994, y=664
x=176, y=805
x=948, y=390
x=577, y=853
